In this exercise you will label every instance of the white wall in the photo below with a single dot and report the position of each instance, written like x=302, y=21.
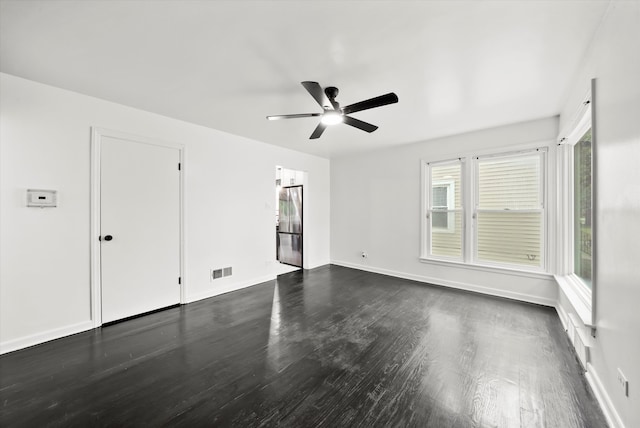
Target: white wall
x=614, y=60
x=375, y=207
x=44, y=253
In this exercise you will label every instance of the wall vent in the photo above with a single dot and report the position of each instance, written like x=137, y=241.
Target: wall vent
x=582, y=350
x=220, y=273
x=579, y=339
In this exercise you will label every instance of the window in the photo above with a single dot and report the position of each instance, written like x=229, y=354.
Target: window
x=576, y=221
x=509, y=210
x=582, y=209
x=442, y=194
x=505, y=226
x=444, y=210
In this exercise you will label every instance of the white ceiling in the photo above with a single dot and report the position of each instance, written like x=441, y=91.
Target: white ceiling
x=456, y=66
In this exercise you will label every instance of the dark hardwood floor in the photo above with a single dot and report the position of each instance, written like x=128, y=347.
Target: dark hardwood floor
x=332, y=347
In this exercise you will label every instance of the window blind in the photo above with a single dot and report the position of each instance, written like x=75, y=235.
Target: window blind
x=509, y=210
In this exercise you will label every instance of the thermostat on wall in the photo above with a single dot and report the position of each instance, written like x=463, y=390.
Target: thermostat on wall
x=41, y=198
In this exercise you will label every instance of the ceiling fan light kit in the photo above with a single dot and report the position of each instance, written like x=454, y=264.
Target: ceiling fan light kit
x=331, y=117
x=333, y=114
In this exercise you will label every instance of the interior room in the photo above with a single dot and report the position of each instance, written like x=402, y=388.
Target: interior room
x=320, y=213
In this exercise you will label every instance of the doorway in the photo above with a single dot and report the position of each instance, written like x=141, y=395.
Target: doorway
x=136, y=226
x=289, y=218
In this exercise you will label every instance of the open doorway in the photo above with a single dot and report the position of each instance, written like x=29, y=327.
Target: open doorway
x=289, y=218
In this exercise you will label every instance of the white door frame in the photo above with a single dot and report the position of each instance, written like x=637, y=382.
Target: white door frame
x=96, y=142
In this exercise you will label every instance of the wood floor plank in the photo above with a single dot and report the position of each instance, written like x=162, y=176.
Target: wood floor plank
x=330, y=347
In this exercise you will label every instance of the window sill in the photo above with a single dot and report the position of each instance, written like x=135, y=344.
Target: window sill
x=581, y=302
x=492, y=269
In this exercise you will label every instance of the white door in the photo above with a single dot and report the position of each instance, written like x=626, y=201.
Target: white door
x=139, y=227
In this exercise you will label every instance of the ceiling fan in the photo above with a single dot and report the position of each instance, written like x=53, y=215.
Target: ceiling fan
x=333, y=114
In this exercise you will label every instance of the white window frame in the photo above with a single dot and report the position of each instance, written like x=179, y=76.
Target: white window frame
x=578, y=293
x=468, y=181
x=541, y=153
x=426, y=228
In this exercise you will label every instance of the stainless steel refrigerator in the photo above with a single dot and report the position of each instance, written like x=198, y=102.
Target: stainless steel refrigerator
x=290, y=226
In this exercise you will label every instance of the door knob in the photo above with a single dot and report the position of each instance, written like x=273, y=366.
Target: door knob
x=108, y=238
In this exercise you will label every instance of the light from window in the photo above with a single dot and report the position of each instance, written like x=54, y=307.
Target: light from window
x=582, y=208
x=509, y=210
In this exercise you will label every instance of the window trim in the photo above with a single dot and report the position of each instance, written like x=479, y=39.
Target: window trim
x=535, y=274
x=580, y=296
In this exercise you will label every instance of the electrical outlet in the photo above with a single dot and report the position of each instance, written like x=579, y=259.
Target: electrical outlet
x=624, y=383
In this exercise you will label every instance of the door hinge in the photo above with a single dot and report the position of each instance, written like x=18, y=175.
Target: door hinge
x=179, y=280
x=179, y=166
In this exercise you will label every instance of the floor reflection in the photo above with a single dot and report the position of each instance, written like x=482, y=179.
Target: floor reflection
x=330, y=347
x=274, y=353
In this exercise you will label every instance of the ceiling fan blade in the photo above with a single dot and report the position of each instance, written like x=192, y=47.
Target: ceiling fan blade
x=293, y=116
x=317, y=93
x=318, y=131
x=380, y=101
x=359, y=124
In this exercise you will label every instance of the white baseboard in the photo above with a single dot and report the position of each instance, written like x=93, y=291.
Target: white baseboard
x=227, y=288
x=610, y=413
x=45, y=336
x=453, y=284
